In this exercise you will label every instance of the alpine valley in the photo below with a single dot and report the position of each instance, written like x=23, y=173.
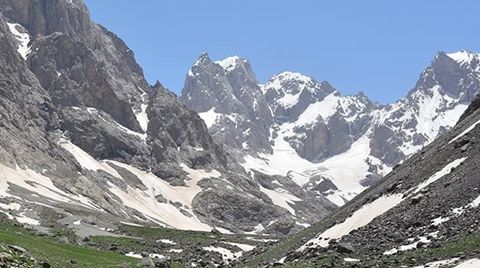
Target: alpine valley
x=98, y=168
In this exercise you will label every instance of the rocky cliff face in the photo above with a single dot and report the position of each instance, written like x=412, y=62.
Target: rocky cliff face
x=228, y=92
x=81, y=130
x=331, y=144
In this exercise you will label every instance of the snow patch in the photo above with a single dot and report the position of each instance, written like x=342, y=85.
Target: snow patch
x=87, y=161
x=472, y=263
x=244, y=247
x=444, y=171
x=438, y=264
x=281, y=198
x=39, y=184
x=229, y=63
x=463, y=56
x=210, y=117
x=166, y=241
x=23, y=49
x=470, y=128
x=146, y=203
x=142, y=117
x=359, y=218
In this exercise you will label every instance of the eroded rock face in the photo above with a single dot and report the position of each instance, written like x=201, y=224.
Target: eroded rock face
x=228, y=92
x=79, y=120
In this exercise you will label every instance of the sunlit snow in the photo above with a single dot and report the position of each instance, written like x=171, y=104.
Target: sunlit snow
x=23, y=49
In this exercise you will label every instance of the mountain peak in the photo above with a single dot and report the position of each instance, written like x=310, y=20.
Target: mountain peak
x=203, y=59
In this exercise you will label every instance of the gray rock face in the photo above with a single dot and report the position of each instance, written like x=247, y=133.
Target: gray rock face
x=84, y=55
x=228, y=92
x=316, y=132
x=81, y=130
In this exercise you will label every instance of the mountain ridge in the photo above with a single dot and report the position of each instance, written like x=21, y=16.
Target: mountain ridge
x=318, y=123
x=95, y=136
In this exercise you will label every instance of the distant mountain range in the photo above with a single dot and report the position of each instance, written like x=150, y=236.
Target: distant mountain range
x=326, y=142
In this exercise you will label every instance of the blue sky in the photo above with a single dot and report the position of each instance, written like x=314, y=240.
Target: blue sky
x=376, y=46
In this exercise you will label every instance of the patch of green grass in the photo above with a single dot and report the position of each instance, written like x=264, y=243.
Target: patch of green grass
x=60, y=254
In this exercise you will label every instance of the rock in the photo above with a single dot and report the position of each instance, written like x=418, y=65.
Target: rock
x=344, y=248
x=17, y=249
x=417, y=198
x=147, y=262
x=5, y=257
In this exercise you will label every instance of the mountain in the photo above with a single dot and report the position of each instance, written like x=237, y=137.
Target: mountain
x=327, y=143
x=424, y=213
x=87, y=143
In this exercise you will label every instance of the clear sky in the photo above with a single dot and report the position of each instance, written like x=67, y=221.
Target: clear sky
x=376, y=46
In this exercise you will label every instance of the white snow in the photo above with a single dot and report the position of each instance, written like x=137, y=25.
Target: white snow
x=281, y=198
x=440, y=220
x=77, y=222
x=21, y=218
x=40, y=185
x=167, y=241
x=133, y=255
x=407, y=247
x=164, y=213
x=259, y=228
x=131, y=224
x=444, y=171
x=325, y=108
x=244, y=247
x=223, y=230
x=438, y=264
x=11, y=206
x=156, y=256
x=175, y=250
x=430, y=119
x=85, y=160
x=290, y=96
x=351, y=260
x=142, y=117
x=195, y=175
x=470, y=128
x=472, y=263
x=229, y=63
x=345, y=170
x=359, y=218
x=475, y=203
x=463, y=56
x=23, y=49
x=210, y=117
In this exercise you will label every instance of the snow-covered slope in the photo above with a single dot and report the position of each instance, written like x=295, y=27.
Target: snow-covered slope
x=338, y=145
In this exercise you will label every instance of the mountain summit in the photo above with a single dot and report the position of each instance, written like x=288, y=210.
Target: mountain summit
x=328, y=143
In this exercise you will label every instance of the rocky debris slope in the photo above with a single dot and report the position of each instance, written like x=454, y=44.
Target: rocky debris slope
x=314, y=132
x=425, y=210
x=85, y=138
